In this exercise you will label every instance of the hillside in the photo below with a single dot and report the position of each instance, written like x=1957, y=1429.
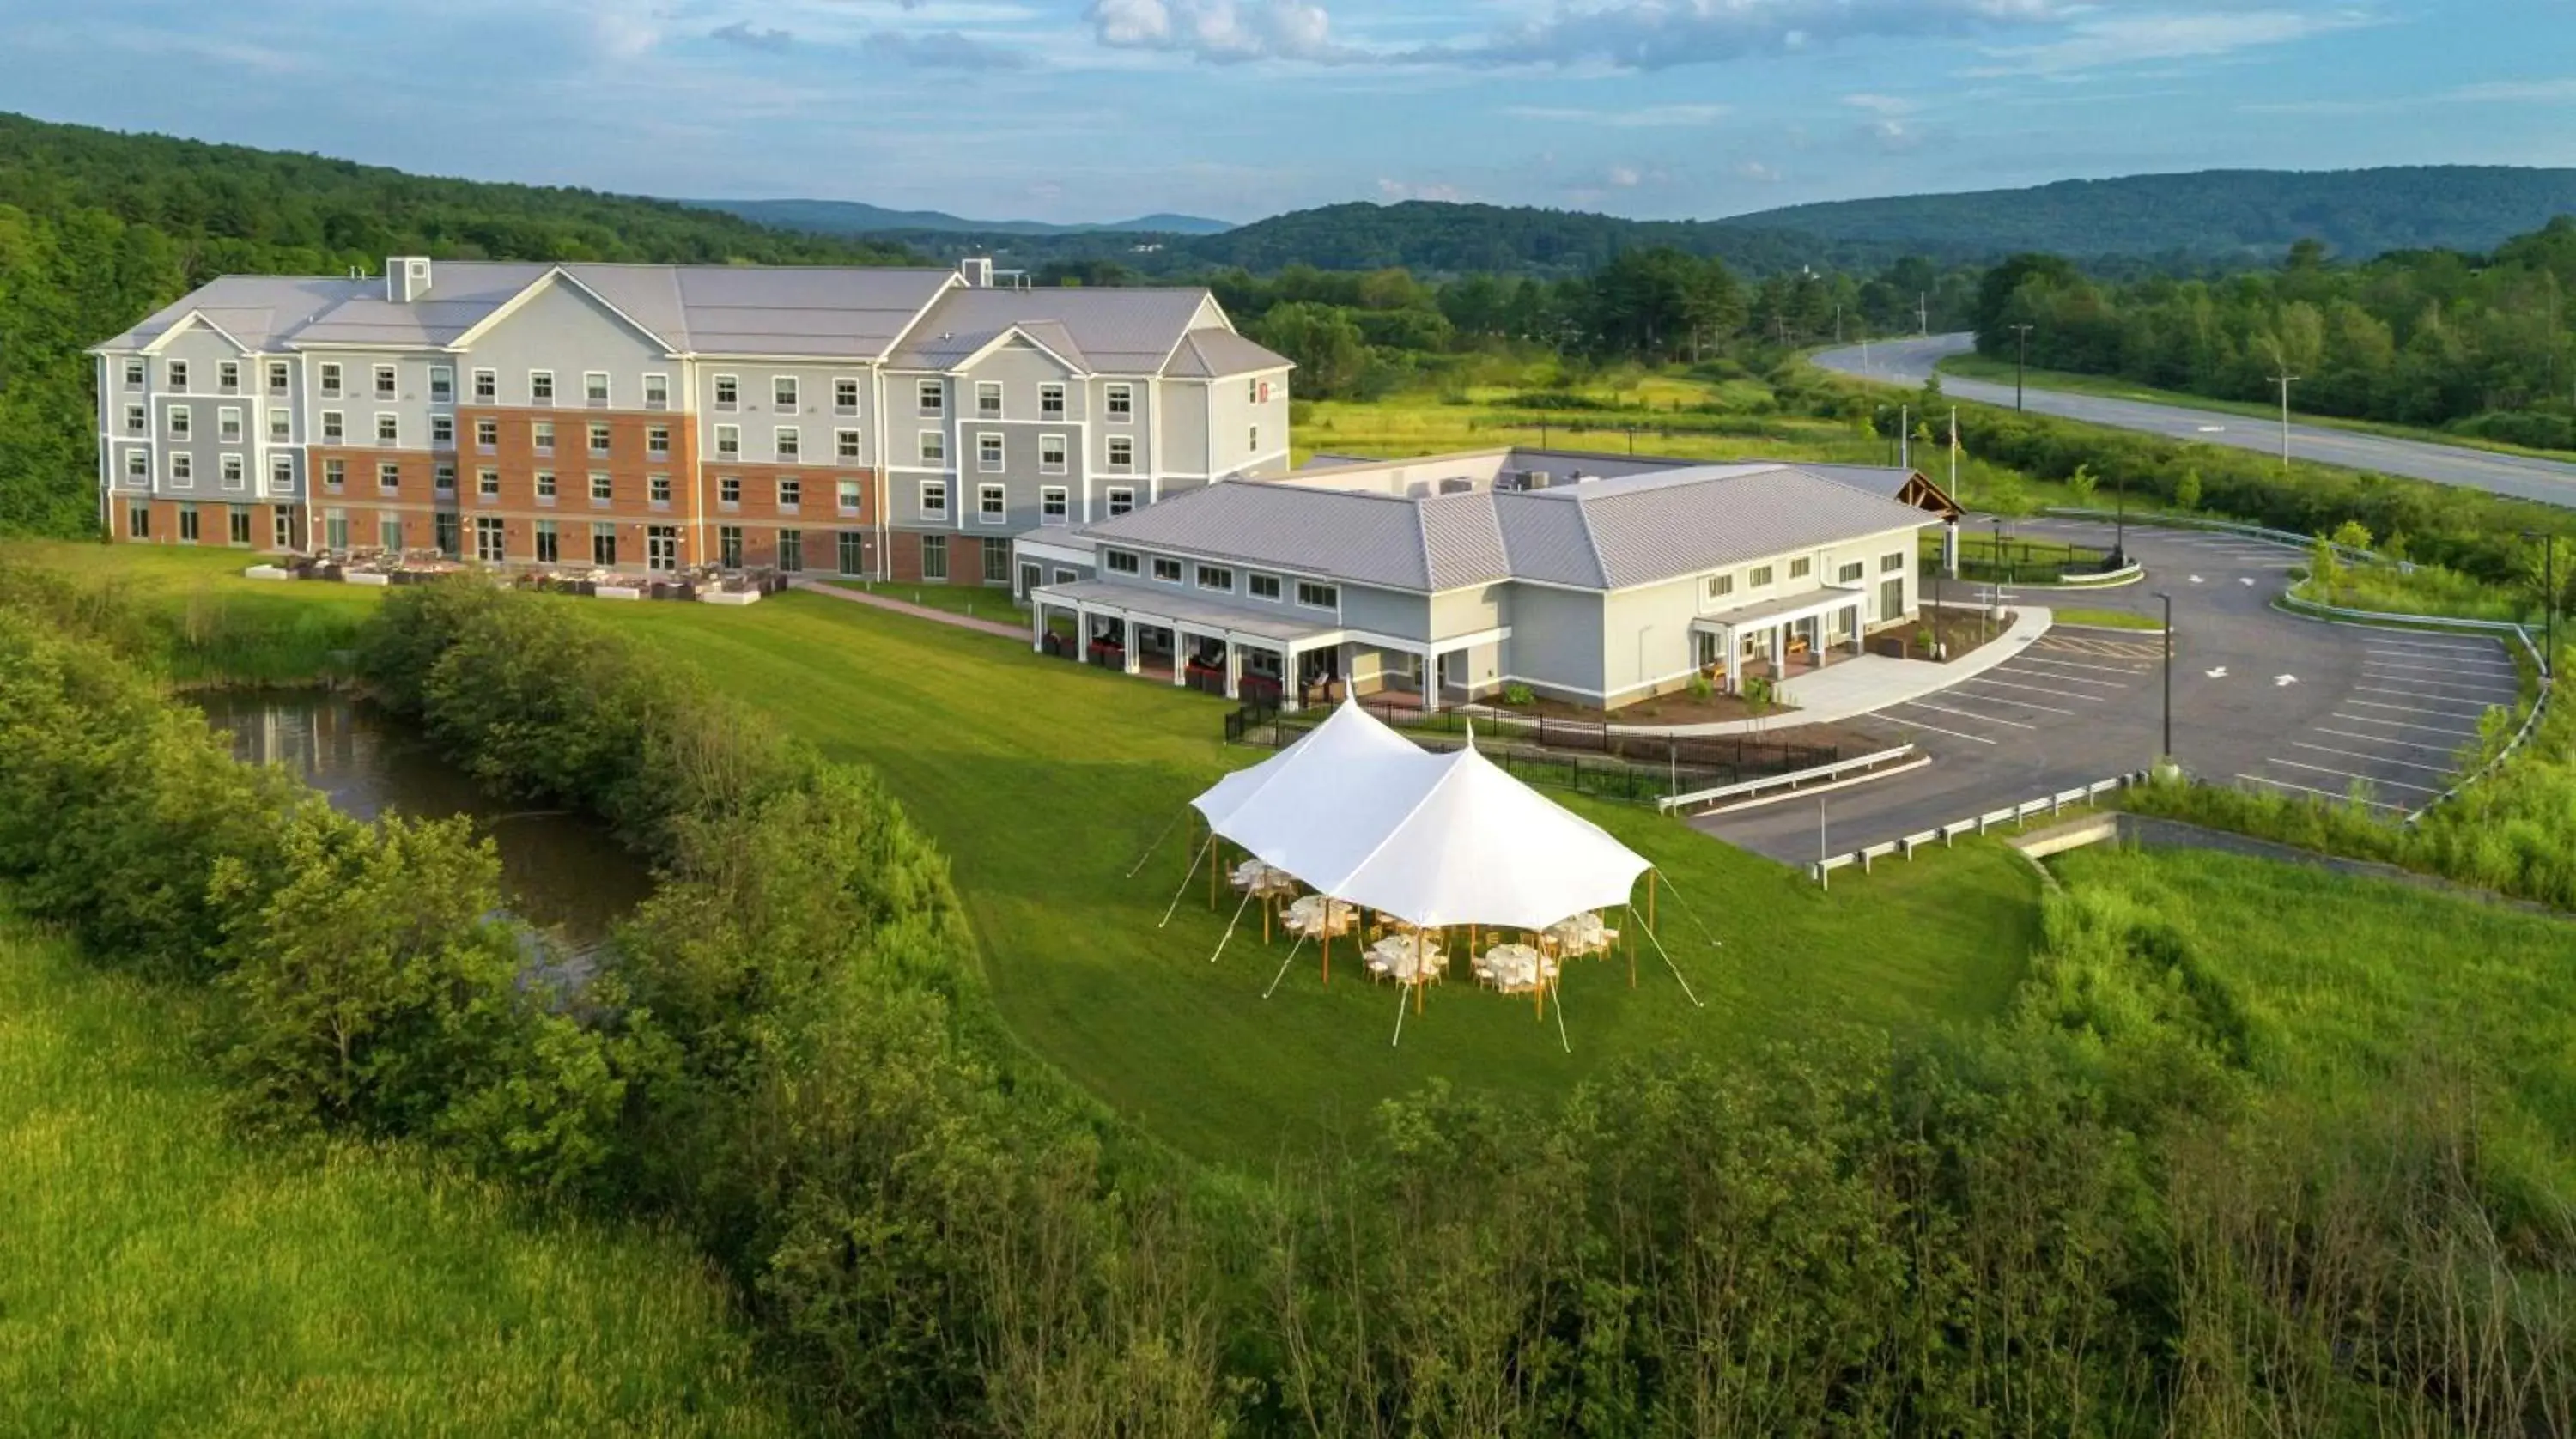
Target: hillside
x=850, y=217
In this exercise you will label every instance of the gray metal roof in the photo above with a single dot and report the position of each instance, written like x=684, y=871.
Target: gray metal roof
x=1117, y=332
x=258, y=310
x=1215, y=353
x=1188, y=607
x=1601, y=534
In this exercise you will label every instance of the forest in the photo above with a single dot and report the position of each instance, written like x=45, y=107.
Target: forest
x=2481, y=344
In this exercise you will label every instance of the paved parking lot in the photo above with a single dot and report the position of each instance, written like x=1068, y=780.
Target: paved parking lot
x=2260, y=698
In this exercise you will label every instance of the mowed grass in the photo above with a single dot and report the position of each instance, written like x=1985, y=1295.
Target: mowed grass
x=2105, y=619
x=1046, y=781
x=2348, y=987
x=221, y=623
x=980, y=602
x=161, y=1274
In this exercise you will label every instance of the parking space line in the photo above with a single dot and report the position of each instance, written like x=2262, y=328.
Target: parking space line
x=2482, y=706
x=2327, y=793
x=2016, y=669
x=2389, y=739
x=2373, y=758
x=2348, y=774
x=2434, y=669
x=2401, y=724
x=1936, y=729
x=2415, y=709
x=2009, y=700
x=2027, y=658
x=1967, y=714
x=2037, y=690
x=2478, y=688
x=2482, y=649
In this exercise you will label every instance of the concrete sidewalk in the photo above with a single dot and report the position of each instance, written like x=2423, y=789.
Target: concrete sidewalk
x=919, y=612
x=1866, y=684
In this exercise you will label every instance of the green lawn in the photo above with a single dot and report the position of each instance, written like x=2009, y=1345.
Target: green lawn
x=977, y=601
x=220, y=623
x=2105, y=619
x=161, y=1275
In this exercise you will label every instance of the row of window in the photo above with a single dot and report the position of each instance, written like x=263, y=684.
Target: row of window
x=1167, y=570
x=786, y=394
x=993, y=502
x=1759, y=577
x=228, y=376
x=237, y=524
x=788, y=493
x=230, y=470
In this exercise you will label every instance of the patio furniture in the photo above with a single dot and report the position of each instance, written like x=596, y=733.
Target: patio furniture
x=1315, y=917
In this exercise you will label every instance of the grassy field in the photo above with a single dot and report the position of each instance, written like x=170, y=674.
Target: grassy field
x=2105, y=619
x=976, y=601
x=159, y=1275
x=221, y=624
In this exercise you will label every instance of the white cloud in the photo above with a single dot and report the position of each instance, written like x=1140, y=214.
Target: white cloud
x=1393, y=190
x=1646, y=117
x=2484, y=92
x=1624, y=177
x=1225, y=32
x=1755, y=171
x=1661, y=34
x=1881, y=104
x=2103, y=41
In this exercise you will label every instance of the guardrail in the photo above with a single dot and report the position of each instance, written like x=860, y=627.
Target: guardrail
x=1944, y=834
x=2195, y=522
x=1747, y=789
x=2304, y=605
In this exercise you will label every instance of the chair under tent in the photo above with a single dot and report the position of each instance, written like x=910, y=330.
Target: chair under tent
x=1432, y=843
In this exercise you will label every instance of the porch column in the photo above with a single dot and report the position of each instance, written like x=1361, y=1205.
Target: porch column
x=1037, y=626
x=1950, y=548
x=1180, y=655
x=1779, y=656
x=1130, y=654
x=1858, y=644
x=1430, y=680
x=1233, y=669
x=1288, y=678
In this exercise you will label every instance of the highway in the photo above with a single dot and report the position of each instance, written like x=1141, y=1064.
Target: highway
x=1909, y=361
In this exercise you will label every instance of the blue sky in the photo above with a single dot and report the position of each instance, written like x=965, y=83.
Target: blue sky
x=1100, y=109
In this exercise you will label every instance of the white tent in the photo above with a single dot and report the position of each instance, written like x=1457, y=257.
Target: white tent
x=1348, y=754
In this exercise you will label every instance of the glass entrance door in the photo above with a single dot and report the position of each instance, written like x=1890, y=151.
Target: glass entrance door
x=662, y=547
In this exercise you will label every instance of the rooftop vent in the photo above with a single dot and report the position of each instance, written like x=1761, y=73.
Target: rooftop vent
x=1457, y=485
x=406, y=278
x=1535, y=479
x=977, y=270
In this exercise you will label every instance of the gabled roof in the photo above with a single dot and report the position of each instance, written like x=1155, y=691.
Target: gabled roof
x=1213, y=353
x=257, y=311
x=1368, y=539
x=1118, y=331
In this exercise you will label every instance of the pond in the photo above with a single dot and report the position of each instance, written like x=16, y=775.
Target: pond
x=560, y=870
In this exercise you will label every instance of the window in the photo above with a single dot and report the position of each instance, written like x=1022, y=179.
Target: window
x=136, y=424
x=488, y=542
x=1051, y=454
x=602, y=488
x=934, y=557
x=134, y=374
x=1167, y=571
x=138, y=465
x=997, y=563
x=487, y=483
x=487, y=387
x=845, y=446
x=541, y=435
x=934, y=448
x=594, y=389
x=335, y=473
x=385, y=382
x=988, y=400
x=599, y=439
x=934, y=398
x=182, y=469
x=934, y=499
x=1758, y=577
x=657, y=392
x=787, y=444
x=782, y=394
x=487, y=434
x=282, y=529
x=729, y=490
x=330, y=379
x=389, y=532
x=442, y=431
x=1054, y=505
x=544, y=483
x=334, y=429
x=988, y=453
x=188, y=524
x=728, y=442
x=180, y=422
x=992, y=504
x=389, y=476
x=237, y=524
x=1121, y=562
x=1122, y=499
x=335, y=529
x=852, y=551
x=277, y=377
x=1262, y=587
x=1890, y=564
x=443, y=478
x=1212, y=577
x=1121, y=402
x=845, y=397
x=1720, y=586
x=230, y=469
x=442, y=385
x=603, y=546
x=791, y=550
x=138, y=522
x=388, y=429
x=657, y=488
x=657, y=442
x=1850, y=574
x=228, y=377
x=1252, y=442
x=1122, y=454
x=178, y=375
x=280, y=424
x=549, y=543
x=1252, y=392
x=847, y=497
x=281, y=473
x=791, y=495
x=541, y=387
x=1318, y=597
x=729, y=546
x=1050, y=402
x=728, y=393
x=228, y=425
x=1799, y=569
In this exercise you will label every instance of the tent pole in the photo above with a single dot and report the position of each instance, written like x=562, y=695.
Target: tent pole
x=1283, y=967
x=1196, y=854
x=1229, y=926
x=1219, y=850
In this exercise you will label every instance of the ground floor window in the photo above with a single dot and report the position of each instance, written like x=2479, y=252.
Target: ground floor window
x=188, y=524
x=489, y=546
x=237, y=525
x=854, y=552
x=934, y=557
x=997, y=563
x=791, y=550
x=450, y=533
x=335, y=529
x=1030, y=578
x=389, y=532
x=549, y=543
x=603, y=546
x=138, y=522
x=729, y=546
x=662, y=547
x=283, y=527
x=1891, y=599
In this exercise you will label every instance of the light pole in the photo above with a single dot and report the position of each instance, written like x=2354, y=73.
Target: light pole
x=2020, y=362
x=2285, y=380
x=2120, y=521
x=2548, y=600
x=2168, y=599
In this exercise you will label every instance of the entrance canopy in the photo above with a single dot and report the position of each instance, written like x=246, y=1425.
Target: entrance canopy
x=1361, y=814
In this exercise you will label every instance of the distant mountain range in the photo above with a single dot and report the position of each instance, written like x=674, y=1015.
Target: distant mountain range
x=849, y=217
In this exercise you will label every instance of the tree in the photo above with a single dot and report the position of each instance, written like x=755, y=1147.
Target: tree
x=1322, y=340
x=2186, y=494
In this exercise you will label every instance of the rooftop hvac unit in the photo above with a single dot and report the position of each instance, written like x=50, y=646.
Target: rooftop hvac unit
x=1535, y=479
x=1457, y=485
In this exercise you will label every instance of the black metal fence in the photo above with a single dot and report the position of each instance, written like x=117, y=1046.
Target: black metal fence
x=1588, y=757
x=2020, y=561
